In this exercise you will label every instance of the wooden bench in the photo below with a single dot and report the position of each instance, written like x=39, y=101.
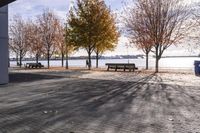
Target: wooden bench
x=34, y=65
x=124, y=66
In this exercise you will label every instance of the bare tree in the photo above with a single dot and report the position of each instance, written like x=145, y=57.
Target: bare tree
x=136, y=29
x=48, y=25
x=14, y=50
x=145, y=44
x=18, y=38
x=164, y=23
x=60, y=40
x=69, y=46
x=194, y=45
x=63, y=47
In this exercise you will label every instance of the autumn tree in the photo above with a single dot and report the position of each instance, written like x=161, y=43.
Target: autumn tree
x=18, y=42
x=107, y=32
x=48, y=26
x=164, y=23
x=88, y=25
x=102, y=47
x=34, y=40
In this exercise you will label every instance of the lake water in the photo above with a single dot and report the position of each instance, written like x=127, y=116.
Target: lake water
x=171, y=63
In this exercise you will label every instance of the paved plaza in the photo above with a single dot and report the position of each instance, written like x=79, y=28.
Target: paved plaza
x=59, y=103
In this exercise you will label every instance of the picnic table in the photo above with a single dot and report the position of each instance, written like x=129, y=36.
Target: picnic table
x=124, y=66
x=34, y=65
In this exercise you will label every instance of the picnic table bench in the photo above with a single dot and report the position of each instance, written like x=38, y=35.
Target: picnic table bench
x=34, y=65
x=124, y=66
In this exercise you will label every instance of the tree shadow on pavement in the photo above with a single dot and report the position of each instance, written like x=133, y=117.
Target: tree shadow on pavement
x=89, y=105
x=31, y=77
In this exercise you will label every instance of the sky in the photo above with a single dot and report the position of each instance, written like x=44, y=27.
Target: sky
x=29, y=9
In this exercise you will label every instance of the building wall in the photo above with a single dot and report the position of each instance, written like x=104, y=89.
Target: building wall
x=4, y=45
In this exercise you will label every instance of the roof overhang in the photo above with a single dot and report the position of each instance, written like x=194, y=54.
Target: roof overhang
x=5, y=2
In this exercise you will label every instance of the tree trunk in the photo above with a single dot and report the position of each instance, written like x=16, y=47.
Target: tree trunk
x=48, y=59
x=63, y=59
x=67, y=59
x=20, y=60
x=147, y=61
x=37, y=58
x=157, y=60
x=17, y=59
x=97, y=60
x=157, y=65
x=89, y=58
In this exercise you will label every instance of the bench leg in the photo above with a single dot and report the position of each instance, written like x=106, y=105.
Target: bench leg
x=116, y=68
x=108, y=68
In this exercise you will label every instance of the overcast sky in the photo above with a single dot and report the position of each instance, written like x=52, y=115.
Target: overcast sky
x=32, y=8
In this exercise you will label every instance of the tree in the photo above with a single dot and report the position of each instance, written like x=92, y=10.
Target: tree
x=107, y=31
x=60, y=40
x=18, y=38
x=101, y=47
x=164, y=23
x=135, y=25
x=194, y=45
x=69, y=46
x=62, y=45
x=34, y=40
x=13, y=49
x=88, y=25
x=48, y=26
x=145, y=44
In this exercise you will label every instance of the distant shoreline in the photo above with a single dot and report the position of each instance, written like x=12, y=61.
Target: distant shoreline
x=104, y=58
x=181, y=56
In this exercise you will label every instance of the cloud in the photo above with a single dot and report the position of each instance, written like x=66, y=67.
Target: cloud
x=32, y=8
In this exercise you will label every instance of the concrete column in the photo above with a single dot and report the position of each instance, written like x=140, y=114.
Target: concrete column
x=4, y=45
